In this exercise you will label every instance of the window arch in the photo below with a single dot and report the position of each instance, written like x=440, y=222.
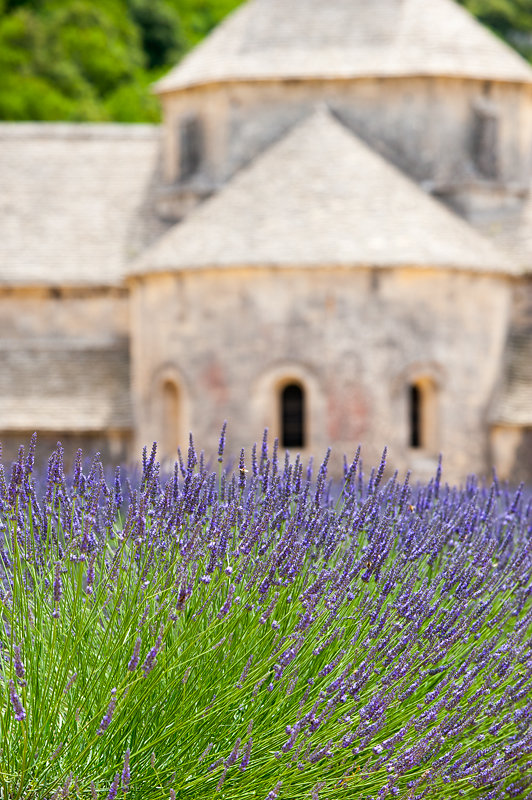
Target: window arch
x=292, y=415
x=168, y=414
x=422, y=414
x=191, y=146
x=486, y=134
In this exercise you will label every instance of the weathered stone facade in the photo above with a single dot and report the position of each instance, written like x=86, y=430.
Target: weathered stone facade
x=288, y=253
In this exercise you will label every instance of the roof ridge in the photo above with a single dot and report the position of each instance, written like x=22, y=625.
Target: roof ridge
x=78, y=130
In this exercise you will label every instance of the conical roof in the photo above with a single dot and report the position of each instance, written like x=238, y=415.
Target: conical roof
x=291, y=39
x=321, y=197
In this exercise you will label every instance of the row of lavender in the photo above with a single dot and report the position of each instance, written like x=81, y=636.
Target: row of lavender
x=261, y=633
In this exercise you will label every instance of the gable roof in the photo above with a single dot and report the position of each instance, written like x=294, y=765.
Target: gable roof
x=321, y=197
x=55, y=386
x=276, y=39
x=75, y=201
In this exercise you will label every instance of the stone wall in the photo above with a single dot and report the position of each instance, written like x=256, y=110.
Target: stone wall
x=356, y=340
x=64, y=314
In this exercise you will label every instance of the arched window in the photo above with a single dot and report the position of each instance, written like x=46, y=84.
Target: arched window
x=169, y=420
x=292, y=416
x=486, y=137
x=415, y=399
x=190, y=146
x=422, y=423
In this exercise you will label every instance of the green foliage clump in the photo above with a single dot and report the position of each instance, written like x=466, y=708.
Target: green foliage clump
x=94, y=61
x=82, y=61
x=509, y=19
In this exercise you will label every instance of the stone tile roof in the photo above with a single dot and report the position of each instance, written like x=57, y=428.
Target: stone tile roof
x=276, y=39
x=74, y=201
x=512, y=233
x=51, y=386
x=321, y=197
x=513, y=405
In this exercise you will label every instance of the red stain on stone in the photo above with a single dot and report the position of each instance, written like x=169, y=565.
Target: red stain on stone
x=347, y=413
x=214, y=382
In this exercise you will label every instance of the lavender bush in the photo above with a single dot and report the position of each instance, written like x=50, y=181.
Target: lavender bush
x=257, y=634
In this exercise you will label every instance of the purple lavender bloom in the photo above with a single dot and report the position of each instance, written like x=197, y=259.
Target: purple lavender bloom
x=221, y=445
x=70, y=682
x=206, y=752
x=244, y=674
x=18, y=708
x=228, y=603
x=19, y=666
x=108, y=716
x=151, y=658
x=90, y=574
x=113, y=791
x=126, y=772
x=118, y=498
x=135, y=657
x=275, y=791
x=247, y=754
x=57, y=588
x=232, y=757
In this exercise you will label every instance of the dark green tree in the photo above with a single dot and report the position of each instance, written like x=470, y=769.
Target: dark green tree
x=509, y=19
x=160, y=30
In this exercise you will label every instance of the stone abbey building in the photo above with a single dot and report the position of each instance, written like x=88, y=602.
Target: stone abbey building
x=329, y=235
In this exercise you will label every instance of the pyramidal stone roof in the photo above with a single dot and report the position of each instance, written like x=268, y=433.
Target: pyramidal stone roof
x=321, y=197
x=305, y=39
x=75, y=201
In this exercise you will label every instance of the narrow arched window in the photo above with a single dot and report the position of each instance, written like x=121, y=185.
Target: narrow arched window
x=486, y=134
x=422, y=415
x=293, y=416
x=190, y=146
x=169, y=422
x=415, y=413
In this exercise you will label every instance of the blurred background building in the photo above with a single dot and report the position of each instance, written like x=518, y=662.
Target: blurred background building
x=330, y=235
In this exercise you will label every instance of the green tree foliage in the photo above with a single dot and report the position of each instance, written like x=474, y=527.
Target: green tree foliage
x=160, y=32
x=510, y=19
x=95, y=59
x=199, y=17
x=81, y=60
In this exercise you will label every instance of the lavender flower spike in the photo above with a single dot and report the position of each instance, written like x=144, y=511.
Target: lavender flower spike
x=275, y=792
x=221, y=445
x=247, y=754
x=58, y=589
x=151, y=658
x=135, y=657
x=18, y=708
x=70, y=683
x=19, y=666
x=114, y=787
x=108, y=716
x=126, y=772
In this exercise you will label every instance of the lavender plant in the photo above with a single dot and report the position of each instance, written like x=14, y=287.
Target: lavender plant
x=257, y=634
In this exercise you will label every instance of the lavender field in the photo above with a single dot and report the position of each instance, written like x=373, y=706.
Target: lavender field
x=262, y=633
